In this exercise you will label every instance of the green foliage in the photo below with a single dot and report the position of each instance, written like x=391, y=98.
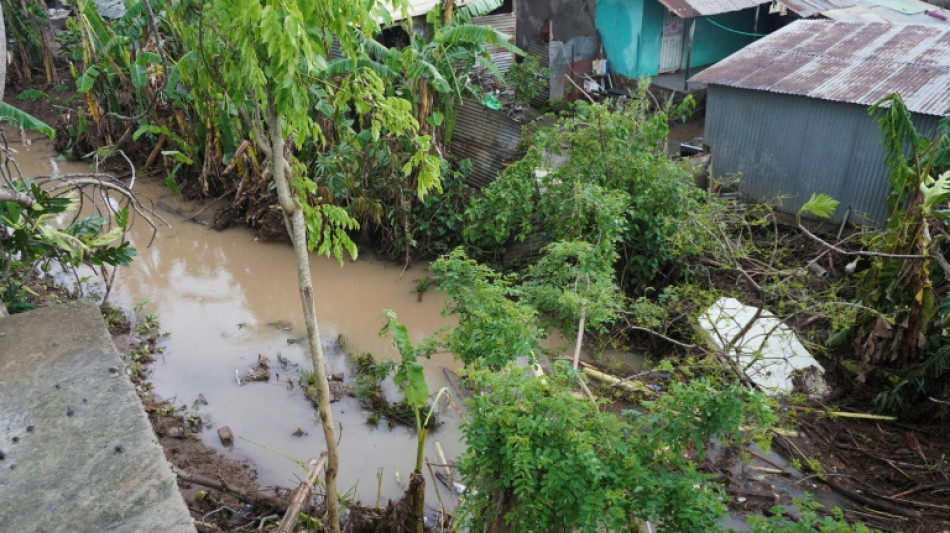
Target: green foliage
x=437, y=221
x=32, y=95
x=571, y=278
x=904, y=290
x=29, y=28
x=410, y=379
x=24, y=120
x=820, y=205
x=808, y=521
x=494, y=329
x=544, y=461
x=528, y=78
x=30, y=237
x=613, y=186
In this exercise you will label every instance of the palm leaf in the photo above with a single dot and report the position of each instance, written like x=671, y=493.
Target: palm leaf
x=25, y=120
x=478, y=8
x=373, y=48
x=342, y=67
x=473, y=33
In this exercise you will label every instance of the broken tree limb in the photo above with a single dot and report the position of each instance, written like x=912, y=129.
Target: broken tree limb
x=614, y=381
x=846, y=414
x=9, y=195
x=220, y=485
x=302, y=494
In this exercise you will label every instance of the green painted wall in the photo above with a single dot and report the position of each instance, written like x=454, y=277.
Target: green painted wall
x=712, y=44
x=620, y=23
x=632, y=31
x=653, y=12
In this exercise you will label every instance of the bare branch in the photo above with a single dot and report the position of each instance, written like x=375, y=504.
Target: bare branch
x=9, y=195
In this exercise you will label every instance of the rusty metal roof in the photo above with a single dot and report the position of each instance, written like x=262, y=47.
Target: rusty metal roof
x=858, y=63
x=897, y=11
x=700, y=8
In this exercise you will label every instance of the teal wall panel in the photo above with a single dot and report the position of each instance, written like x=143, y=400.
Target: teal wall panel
x=632, y=30
x=620, y=22
x=712, y=44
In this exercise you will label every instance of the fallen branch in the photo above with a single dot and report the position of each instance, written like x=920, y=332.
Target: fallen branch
x=8, y=195
x=301, y=495
x=846, y=414
x=222, y=486
x=614, y=381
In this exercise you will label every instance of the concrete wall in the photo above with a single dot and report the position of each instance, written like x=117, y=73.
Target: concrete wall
x=571, y=18
x=786, y=147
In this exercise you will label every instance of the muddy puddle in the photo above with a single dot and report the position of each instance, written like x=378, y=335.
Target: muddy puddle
x=225, y=298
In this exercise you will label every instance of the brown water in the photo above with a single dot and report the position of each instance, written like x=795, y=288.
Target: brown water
x=224, y=298
x=222, y=295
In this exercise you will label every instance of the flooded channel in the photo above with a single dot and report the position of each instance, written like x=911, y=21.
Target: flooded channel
x=225, y=298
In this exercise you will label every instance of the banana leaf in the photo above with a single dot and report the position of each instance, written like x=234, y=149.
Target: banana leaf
x=25, y=120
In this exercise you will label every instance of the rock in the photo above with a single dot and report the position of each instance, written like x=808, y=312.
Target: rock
x=768, y=350
x=227, y=438
x=337, y=391
x=260, y=372
x=336, y=376
x=175, y=432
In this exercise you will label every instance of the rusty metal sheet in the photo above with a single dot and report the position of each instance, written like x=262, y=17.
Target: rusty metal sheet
x=895, y=11
x=845, y=62
x=700, y=8
x=810, y=8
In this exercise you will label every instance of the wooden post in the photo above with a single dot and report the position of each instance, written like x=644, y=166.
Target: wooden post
x=689, y=52
x=302, y=494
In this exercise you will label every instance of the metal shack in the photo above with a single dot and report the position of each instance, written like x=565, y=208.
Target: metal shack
x=649, y=37
x=789, y=115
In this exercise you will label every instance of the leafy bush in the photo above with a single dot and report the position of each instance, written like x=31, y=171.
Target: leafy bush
x=600, y=176
x=494, y=328
x=528, y=78
x=30, y=237
x=808, y=521
x=545, y=461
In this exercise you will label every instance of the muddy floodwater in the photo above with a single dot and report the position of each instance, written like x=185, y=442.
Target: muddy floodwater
x=224, y=298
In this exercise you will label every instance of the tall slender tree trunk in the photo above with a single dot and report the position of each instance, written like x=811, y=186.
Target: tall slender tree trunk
x=3, y=55
x=294, y=218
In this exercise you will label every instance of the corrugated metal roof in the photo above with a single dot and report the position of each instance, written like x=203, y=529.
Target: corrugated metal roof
x=700, y=8
x=896, y=11
x=419, y=7
x=850, y=62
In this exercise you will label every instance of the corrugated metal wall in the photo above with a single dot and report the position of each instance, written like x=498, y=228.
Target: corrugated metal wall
x=505, y=23
x=486, y=137
x=786, y=147
x=541, y=50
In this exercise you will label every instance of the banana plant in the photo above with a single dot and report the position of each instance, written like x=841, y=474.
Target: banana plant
x=31, y=30
x=410, y=379
x=22, y=119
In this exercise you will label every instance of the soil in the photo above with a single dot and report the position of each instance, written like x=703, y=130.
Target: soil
x=896, y=475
